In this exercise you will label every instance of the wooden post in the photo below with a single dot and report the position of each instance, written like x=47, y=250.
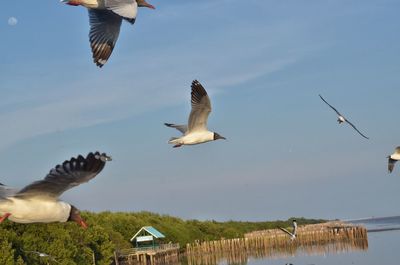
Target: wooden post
x=116, y=258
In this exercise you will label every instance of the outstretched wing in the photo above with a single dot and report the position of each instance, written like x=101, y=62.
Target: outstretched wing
x=6, y=191
x=104, y=31
x=391, y=163
x=127, y=9
x=286, y=231
x=354, y=127
x=338, y=113
x=201, y=108
x=182, y=128
x=63, y=177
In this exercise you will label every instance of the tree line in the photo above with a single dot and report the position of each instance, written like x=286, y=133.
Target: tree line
x=69, y=244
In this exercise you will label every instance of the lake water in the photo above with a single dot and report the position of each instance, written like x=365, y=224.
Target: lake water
x=383, y=248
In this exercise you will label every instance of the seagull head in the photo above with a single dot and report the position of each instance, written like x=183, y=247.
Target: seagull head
x=75, y=216
x=71, y=2
x=217, y=136
x=143, y=3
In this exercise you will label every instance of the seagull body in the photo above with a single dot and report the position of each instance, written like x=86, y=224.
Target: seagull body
x=393, y=158
x=196, y=131
x=105, y=17
x=40, y=254
x=39, y=203
x=292, y=234
x=342, y=119
x=35, y=210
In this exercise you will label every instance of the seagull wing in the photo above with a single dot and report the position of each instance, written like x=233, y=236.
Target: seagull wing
x=391, y=163
x=104, y=31
x=354, y=127
x=201, y=108
x=182, y=128
x=286, y=231
x=6, y=192
x=338, y=113
x=127, y=9
x=63, y=177
x=397, y=150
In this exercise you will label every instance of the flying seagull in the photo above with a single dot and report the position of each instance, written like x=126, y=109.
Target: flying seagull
x=105, y=17
x=393, y=158
x=40, y=254
x=38, y=202
x=292, y=234
x=341, y=118
x=196, y=131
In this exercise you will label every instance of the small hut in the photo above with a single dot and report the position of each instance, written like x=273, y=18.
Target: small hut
x=146, y=237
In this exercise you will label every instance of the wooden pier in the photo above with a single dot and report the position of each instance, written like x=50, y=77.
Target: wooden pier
x=162, y=254
x=311, y=239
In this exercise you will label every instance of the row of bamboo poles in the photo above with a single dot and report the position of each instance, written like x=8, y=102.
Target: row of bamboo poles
x=331, y=237
x=162, y=254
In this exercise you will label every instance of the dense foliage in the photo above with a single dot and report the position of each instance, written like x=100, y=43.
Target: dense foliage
x=70, y=244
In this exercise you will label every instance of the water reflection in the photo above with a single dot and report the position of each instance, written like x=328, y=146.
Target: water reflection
x=289, y=250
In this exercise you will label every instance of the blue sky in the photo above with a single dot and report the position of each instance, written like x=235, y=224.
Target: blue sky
x=262, y=62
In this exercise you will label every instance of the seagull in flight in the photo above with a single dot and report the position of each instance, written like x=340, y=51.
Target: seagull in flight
x=40, y=254
x=342, y=119
x=292, y=234
x=39, y=201
x=105, y=18
x=393, y=158
x=196, y=131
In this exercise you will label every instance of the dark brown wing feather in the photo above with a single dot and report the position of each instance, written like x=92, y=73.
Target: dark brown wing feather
x=391, y=163
x=71, y=173
x=104, y=31
x=201, y=108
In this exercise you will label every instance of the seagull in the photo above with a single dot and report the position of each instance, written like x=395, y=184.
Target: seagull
x=42, y=255
x=105, y=17
x=38, y=202
x=341, y=118
x=291, y=234
x=393, y=158
x=196, y=131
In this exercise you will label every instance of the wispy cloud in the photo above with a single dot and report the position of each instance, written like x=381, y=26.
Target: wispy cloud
x=153, y=78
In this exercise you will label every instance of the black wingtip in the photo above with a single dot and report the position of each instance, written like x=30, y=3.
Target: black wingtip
x=102, y=156
x=168, y=124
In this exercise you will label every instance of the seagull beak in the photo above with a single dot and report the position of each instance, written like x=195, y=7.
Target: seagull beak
x=83, y=224
x=70, y=2
x=145, y=4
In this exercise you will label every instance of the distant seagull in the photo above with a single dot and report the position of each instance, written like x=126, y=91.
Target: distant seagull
x=38, y=202
x=341, y=118
x=393, y=158
x=105, y=18
x=42, y=255
x=292, y=234
x=196, y=131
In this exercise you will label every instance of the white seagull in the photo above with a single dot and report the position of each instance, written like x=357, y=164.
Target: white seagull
x=105, y=18
x=393, y=158
x=42, y=255
x=196, y=131
x=38, y=202
x=341, y=118
x=292, y=234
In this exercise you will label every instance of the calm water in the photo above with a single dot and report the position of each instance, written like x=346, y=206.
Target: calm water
x=383, y=248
